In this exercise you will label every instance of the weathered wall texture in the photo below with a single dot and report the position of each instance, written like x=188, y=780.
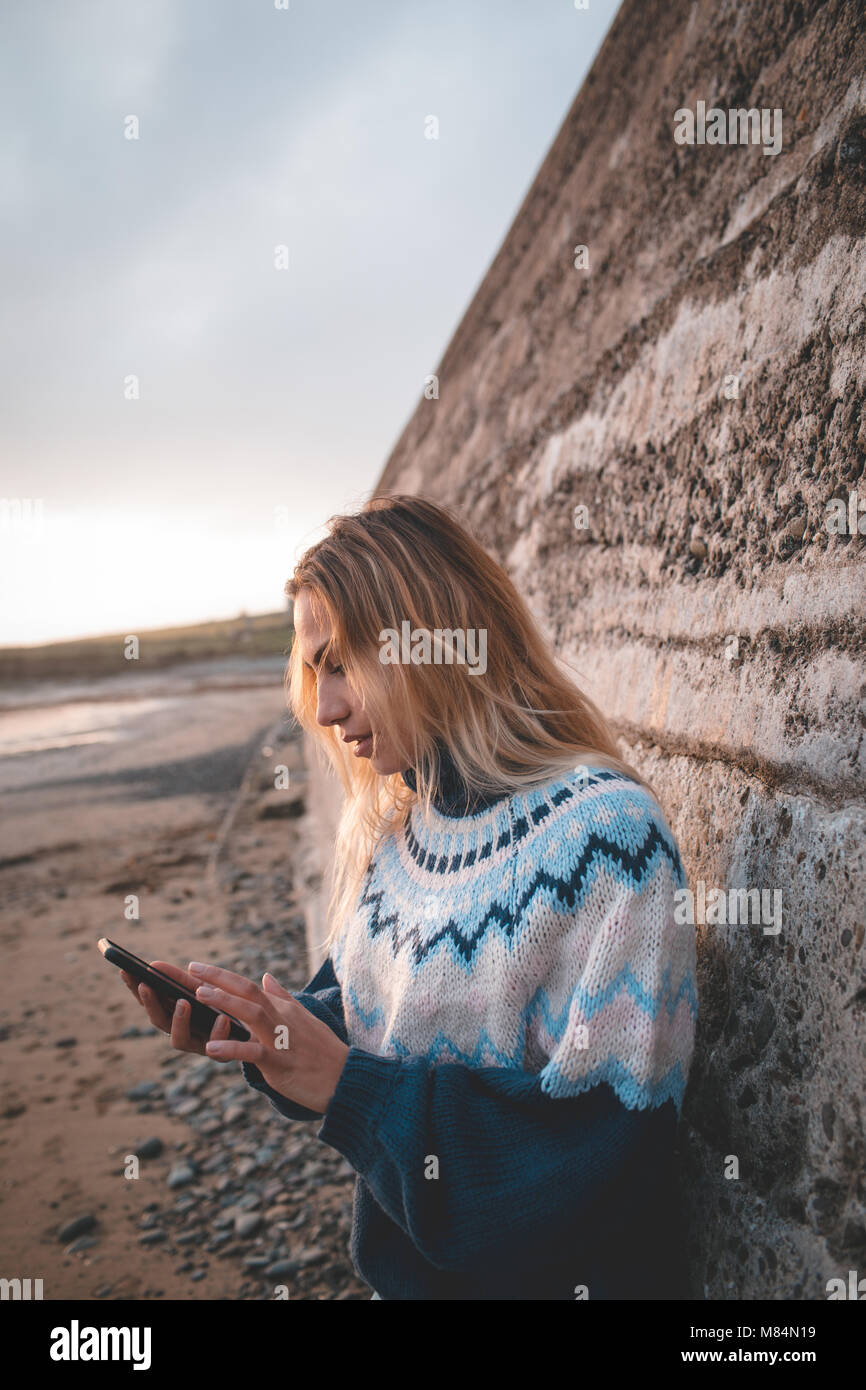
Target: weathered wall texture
x=706, y=522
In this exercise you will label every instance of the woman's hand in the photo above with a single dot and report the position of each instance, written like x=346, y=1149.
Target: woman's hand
x=176, y=1023
x=299, y=1056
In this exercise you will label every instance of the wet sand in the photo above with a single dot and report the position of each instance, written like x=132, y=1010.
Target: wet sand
x=174, y=804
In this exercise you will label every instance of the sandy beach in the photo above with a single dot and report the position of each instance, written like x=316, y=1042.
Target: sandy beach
x=161, y=787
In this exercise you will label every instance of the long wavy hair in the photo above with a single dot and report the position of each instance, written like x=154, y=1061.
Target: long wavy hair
x=513, y=726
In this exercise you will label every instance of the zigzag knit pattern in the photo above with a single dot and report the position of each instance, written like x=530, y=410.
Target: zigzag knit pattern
x=538, y=933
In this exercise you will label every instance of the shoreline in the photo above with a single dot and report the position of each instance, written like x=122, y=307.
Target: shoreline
x=234, y=1199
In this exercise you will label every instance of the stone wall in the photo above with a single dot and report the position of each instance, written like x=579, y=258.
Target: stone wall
x=697, y=388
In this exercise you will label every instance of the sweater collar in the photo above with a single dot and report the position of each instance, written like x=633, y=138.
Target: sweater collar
x=452, y=797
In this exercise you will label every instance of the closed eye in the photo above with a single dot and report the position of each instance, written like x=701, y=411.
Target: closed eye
x=331, y=670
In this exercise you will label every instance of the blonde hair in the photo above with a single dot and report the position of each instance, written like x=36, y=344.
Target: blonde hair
x=517, y=724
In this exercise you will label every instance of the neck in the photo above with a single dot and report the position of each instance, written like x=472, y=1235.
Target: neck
x=451, y=796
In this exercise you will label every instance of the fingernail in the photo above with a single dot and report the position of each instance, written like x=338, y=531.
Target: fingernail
x=214, y=1048
x=205, y=991
x=196, y=968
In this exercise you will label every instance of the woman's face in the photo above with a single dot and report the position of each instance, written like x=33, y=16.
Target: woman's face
x=337, y=702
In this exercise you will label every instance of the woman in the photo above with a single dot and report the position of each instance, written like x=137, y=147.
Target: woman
x=500, y=1036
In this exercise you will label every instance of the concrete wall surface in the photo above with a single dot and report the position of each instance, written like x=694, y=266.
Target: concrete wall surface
x=648, y=435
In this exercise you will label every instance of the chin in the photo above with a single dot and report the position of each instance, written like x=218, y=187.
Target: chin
x=382, y=764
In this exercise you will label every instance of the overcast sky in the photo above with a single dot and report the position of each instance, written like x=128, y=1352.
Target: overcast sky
x=260, y=388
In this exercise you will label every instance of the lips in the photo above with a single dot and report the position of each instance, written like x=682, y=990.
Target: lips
x=363, y=743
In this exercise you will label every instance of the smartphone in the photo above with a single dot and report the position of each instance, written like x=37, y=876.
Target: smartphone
x=202, y=1016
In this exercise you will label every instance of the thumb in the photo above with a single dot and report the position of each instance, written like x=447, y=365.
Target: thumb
x=271, y=986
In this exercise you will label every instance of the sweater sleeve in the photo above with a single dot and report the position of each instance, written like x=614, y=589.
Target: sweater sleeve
x=478, y=1164
x=322, y=998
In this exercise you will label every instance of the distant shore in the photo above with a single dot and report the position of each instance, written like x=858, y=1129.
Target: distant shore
x=249, y=636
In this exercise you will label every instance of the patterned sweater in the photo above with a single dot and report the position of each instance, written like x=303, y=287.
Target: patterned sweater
x=519, y=1005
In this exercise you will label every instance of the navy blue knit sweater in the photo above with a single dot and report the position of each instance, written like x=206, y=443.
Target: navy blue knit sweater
x=551, y=1174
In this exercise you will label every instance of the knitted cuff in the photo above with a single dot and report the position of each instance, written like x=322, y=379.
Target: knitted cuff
x=352, y=1119
x=289, y=1109
x=253, y=1077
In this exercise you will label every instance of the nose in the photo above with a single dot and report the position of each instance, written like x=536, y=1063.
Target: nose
x=331, y=708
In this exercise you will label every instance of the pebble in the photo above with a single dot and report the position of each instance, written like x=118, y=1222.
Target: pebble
x=217, y=1164
x=247, y=1223
x=66, y=1042
x=79, y=1226
x=278, y=1213
x=83, y=1243
x=187, y=1107
x=149, y=1148
x=180, y=1175
x=312, y=1256
x=142, y=1090
x=151, y=1237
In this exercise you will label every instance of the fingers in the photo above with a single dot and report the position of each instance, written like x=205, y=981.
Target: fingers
x=272, y=986
x=232, y=1051
x=131, y=984
x=256, y=1013
x=155, y=1008
x=227, y=980
x=152, y=1004
x=176, y=1021
x=221, y=1028
x=159, y=1010
x=181, y=1038
x=175, y=972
